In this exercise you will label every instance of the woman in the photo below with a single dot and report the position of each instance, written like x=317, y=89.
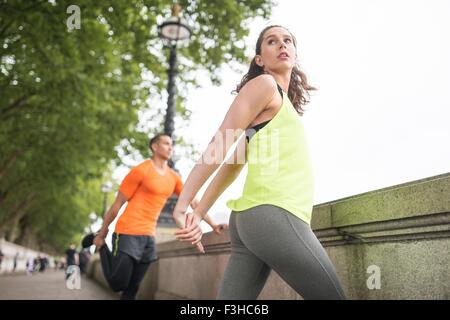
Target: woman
x=270, y=222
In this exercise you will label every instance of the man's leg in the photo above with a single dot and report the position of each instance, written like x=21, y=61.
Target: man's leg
x=138, y=274
x=116, y=268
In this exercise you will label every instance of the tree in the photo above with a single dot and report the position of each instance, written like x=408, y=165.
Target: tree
x=68, y=98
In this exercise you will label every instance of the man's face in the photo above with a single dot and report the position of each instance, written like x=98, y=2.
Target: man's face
x=163, y=148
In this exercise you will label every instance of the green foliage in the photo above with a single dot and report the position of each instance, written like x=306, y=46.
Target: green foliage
x=68, y=98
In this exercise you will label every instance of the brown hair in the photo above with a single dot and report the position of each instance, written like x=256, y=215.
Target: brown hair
x=155, y=139
x=299, y=88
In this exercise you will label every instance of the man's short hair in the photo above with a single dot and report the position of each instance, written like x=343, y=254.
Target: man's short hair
x=155, y=139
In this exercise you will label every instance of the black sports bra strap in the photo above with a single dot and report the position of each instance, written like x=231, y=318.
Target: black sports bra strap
x=251, y=131
x=280, y=90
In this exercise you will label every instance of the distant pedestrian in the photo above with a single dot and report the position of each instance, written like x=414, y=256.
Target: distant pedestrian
x=30, y=266
x=1, y=259
x=72, y=258
x=16, y=257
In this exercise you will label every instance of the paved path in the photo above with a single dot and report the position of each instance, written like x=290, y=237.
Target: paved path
x=50, y=285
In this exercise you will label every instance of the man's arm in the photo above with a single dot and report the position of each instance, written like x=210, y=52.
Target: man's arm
x=108, y=218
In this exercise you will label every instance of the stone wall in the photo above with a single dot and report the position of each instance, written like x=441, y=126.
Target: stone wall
x=402, y=231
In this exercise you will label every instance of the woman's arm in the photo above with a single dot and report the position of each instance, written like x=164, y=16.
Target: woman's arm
x=253, y=98
x=208, y=220
x=216, y=227
x=229, y=171
x=227, y=174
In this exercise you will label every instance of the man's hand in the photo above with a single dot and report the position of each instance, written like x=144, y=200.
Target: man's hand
x=99, y=241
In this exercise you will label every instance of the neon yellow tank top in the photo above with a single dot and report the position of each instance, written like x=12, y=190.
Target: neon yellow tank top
x=279, y=167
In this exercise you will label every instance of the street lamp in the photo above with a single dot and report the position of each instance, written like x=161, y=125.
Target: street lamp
x=171, y=31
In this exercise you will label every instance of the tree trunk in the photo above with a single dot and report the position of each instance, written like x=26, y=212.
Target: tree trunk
x=13, y=223
x=4, y=112
x=9, y=162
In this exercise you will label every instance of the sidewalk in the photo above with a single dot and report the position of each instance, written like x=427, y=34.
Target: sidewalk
x=49, y=286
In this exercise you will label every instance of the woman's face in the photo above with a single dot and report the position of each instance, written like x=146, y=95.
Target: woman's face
x=278, y=52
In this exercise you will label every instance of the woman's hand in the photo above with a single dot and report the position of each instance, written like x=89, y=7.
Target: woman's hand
x=217, y=228
x=192, y=231
x=179, y=216
x=194, y=203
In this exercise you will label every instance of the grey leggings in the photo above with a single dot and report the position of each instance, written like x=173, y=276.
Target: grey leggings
x=268, y=237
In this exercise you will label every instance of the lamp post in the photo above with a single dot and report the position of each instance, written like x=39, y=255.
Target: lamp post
x=171, y=31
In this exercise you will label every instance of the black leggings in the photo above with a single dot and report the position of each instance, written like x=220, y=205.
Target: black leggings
x=122, y=272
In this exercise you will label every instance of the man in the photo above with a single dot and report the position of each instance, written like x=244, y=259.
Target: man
x=16, y=258
x=72, y=258
x=146, y=188
x=1, y=258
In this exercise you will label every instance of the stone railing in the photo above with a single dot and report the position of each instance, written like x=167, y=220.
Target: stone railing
x=392, y=243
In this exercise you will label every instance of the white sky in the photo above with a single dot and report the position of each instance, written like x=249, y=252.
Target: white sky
x=381, y=115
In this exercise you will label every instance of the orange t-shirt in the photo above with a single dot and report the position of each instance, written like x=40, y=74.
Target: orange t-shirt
x=147, y=192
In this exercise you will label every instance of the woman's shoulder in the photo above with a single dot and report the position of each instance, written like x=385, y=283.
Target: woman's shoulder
x=262, y=84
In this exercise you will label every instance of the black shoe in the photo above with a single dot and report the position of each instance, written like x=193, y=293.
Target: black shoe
x=88, y=240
